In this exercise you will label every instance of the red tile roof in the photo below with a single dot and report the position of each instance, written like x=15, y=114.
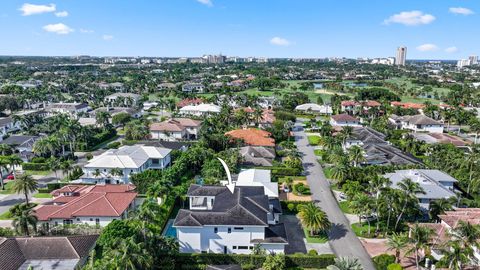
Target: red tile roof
x=407, y=105
x=349, y=103
x=344, y=118
x=189, y=101
x=252, y=136
x=371, y=103
x=94, y=201
x=268, y=116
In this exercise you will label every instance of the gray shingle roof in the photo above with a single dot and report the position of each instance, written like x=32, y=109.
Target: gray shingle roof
x=246, y=206
x=257, y=155
x=274, y=234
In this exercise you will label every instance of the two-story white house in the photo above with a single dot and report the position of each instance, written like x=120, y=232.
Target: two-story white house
x=72, y=109
x=435, y=184
x=128, y=160
x=175, y=129
x=86, y=204
x=417, y=123
x=204, y=109
x=221, y=221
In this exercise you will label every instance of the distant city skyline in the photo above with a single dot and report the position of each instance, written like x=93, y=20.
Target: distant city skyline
x=270, y=28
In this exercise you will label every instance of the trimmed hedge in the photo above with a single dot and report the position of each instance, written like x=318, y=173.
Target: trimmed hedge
x=382, y=261
x=284, y=171
x=196, y=261
x=35, y=166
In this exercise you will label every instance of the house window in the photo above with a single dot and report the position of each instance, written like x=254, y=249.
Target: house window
x=238, y=228
x=155, y=161
x=78, y=219
x=97, y=221
x=229, y=230
x=215, y=230
x=91, y=219
x=242, y=247
x=234, y=247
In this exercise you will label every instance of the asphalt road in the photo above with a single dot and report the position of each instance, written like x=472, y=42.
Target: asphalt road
x=342, y=239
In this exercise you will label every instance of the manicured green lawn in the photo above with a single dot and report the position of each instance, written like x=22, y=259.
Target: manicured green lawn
x=318, y=152
x=37, y=172
x=313, y=139
x=42, y=196
x=328, y=172
x=6, y=216
x=362, y=231
x=345, y=207
x=8, y=188
x=317, y=239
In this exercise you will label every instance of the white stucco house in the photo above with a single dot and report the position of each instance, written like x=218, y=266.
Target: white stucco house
x=129, y=159
x=258, y=178
x=72, y=109
x=314, y=108
x=416, y=123
x=221, y=220
x=203, y=109
x=436, y=184
x=95, y=205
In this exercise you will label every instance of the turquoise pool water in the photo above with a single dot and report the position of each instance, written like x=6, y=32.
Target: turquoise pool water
x=170, y=231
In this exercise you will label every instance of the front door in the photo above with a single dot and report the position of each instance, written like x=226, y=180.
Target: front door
x=225, y=250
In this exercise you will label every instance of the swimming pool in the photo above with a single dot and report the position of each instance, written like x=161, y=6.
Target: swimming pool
x=170, y=231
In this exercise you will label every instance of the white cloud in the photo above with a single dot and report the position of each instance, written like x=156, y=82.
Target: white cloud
x=31, y=9
x=410, y=18
x=206, y=2
x=86, y=31
x=107, y=37
x=461, y=11
x=58, y=28
x=278, y=41
x=427, y=47
x=452, y=49
x=61, y=14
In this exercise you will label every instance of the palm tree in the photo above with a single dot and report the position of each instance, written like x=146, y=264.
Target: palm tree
x=313, y=218
x=340, y=173
x=410, y=190
x=3, y=166
x=346, y=132
x=102, y=118
x=345, y=263
x=466, y=234
x=438, y=207
x=5, y=149
x=356, y=154
x=456, y=256
x=66, y=167
x=129, y=255
x=54, y=165
x=24, y=217
x=25, y=184
x=420, y=238
x=397, y=242
x=14, y=160
x=362, y=206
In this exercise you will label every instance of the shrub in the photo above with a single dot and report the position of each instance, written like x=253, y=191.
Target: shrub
x=39, y=160
x=382, y=261
x=274, y=262
x=89, y=156
x=394, y=266
x=35, y=166
x=291, y=207
x=312, y=252
x=113, y=145
x=248, y=266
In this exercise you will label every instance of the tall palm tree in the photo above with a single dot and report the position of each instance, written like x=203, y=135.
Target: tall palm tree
x=420, y=238
x=23, y=218
x=54, y=165
x=5, y=149
x=14, y=160
x=25, y=184
x=362, y=205
x=356, y=154
x=313, y=218
x=438, y=207
x=456, y=256
x=409, y=189
x=3, y=166
x=467, y=234
x=340, y=173
x=397, y=242
x=129, y=255
x=346, y=132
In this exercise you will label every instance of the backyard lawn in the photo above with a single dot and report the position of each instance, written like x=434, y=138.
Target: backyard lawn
x=316, y=239
x=313, y=139
x=8, y=188
x=43, y=173
x=42, y=196
x=345, y=207
x=362, y=230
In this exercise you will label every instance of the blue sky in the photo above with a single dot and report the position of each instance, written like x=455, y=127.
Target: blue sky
x=431, y=29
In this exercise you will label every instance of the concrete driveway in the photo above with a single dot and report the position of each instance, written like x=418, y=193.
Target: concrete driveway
x=341, y=237
x=294, y=234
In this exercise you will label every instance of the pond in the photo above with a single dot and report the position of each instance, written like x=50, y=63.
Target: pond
x=318, y=85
